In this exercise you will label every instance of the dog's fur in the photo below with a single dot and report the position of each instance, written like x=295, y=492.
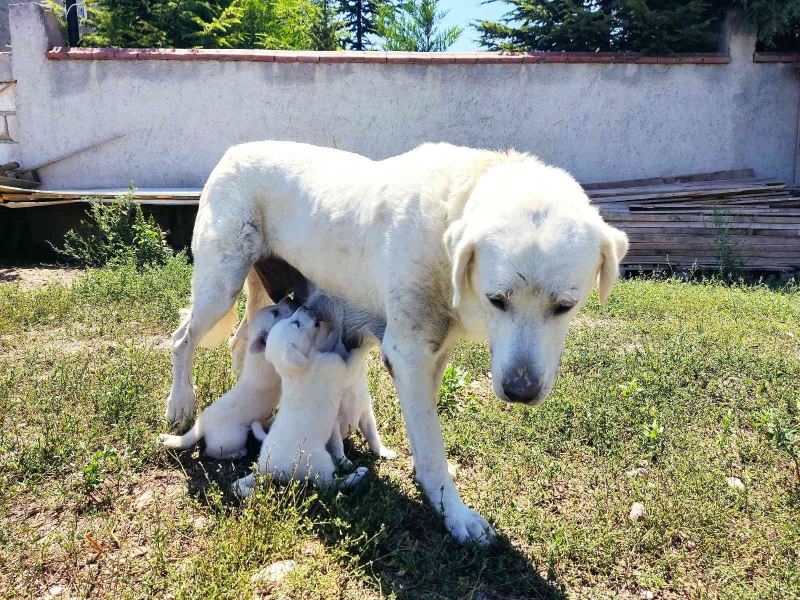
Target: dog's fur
x=439, y=243
x=226, y=423
x=313, y=384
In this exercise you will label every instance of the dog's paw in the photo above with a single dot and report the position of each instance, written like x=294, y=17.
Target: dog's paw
x=345, y=464
x=468, y=527
x=180, y=409
x=387, y=453
x=243, y=487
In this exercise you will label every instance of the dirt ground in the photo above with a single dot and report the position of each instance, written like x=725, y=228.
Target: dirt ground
x=36, y=276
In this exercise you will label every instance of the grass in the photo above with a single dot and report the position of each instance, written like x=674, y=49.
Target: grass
x=658, y=402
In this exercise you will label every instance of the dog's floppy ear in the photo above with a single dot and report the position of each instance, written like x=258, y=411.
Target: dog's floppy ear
x=613, y=248
x=259, y=342
x=294, y=358
x=461, y=249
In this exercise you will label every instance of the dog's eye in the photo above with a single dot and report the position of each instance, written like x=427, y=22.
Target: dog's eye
x=498, y=301
x=562, y=309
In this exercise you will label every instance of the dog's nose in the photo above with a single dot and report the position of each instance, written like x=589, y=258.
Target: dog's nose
x=521, y=384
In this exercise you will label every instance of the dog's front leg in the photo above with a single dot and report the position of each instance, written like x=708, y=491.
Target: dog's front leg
x=416, y=373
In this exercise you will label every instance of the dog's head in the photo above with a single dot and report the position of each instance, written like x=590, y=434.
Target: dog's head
x=265, y=319
x=525, y=255
x=292, y=341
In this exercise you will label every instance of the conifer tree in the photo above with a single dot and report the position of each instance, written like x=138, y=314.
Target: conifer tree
x=415, y=26
x=651, y=26
x=361, y=19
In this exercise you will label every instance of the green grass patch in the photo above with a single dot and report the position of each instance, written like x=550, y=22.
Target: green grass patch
x=664, y=395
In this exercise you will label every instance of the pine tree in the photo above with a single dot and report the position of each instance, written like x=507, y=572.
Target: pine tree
x=414, y=27
x=361, y=20
x=327, y=29
x=651, y=26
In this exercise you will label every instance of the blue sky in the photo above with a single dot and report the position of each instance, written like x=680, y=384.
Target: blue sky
x=463, y=12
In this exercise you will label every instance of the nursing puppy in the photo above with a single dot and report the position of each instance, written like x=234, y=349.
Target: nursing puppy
x=313, y=382
x=226, y=423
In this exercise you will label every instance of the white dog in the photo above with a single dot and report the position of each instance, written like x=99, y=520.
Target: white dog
x=226, y=423
x=437, y=244
x=313, y=384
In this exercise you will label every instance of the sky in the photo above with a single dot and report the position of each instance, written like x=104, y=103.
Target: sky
x=463, y=12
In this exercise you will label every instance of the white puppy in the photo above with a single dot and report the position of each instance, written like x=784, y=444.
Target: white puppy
x=226, y=423
x=313, y=383
x=355, y=412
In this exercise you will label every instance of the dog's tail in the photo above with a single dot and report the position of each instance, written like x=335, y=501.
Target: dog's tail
x=180, y=442
x=221, y=331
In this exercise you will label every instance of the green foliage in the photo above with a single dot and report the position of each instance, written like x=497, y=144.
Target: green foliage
x=415, y=27
x=361, y=18
x=454, y=383
x=650, y=26
x=275, y=24
x=777, y=21
x=328, y=27
x=783, y=434
x=114, y=234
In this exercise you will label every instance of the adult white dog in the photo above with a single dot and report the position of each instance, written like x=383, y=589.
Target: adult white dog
x=439, y=243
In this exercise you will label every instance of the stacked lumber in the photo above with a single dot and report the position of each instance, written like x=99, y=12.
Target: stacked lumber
x=705, y=220
x=16, y=197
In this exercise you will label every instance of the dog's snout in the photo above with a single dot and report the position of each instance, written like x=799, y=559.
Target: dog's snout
x=522, y=384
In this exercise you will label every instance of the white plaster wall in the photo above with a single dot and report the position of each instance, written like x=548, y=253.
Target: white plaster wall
x=601, y=121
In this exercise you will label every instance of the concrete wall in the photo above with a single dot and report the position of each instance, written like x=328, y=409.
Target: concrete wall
x=601, y=121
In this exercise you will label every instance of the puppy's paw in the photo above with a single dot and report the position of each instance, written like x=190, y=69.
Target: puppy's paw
x=354, y=477
x=468, y=527
x=344, y=463
x=243, y=487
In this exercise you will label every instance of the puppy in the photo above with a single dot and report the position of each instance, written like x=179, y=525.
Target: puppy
x=226, y=423
x=354, y=333
x=313, y=383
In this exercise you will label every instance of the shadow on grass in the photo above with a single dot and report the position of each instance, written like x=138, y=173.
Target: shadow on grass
x=396, y=537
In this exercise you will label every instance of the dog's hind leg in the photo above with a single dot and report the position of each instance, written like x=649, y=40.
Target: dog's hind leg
x=257, y=298
x=216, y=283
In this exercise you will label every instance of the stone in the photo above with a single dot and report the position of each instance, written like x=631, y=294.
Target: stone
x=274, y=573
x=735, y=483
x=637, y=511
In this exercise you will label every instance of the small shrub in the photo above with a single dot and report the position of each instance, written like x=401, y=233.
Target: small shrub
x=783, y=435
x=454, y=381
x=116, y=233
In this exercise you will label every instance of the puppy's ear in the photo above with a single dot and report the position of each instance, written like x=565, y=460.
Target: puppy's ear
x=259, y=342
x=613, y=248
x=294, y=358
x=461, y=249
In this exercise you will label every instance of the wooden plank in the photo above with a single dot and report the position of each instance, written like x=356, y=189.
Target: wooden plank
x=714, y=175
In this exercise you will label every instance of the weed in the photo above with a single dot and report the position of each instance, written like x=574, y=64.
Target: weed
x=454, y=382
x=783, y=435
x=116, y=233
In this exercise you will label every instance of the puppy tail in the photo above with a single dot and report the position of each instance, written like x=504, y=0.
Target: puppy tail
x=221, y=331
x=258, y=431
x=180, y=442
